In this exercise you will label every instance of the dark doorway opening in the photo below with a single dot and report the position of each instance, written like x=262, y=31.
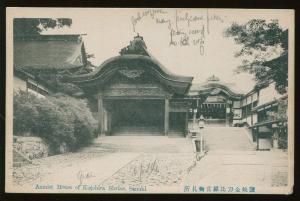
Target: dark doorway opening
x=177, y=122
x=132, y=117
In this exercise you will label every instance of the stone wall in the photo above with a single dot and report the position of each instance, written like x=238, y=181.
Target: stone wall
x=31, y=147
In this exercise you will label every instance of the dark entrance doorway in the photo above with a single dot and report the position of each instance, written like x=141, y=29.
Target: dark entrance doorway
x=214, y=113
x=177, y=123
x=132, y=117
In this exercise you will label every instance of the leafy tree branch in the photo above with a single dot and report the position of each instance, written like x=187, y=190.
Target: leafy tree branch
x=264, y=51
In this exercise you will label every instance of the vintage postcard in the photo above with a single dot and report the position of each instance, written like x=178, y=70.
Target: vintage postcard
x=150, y=100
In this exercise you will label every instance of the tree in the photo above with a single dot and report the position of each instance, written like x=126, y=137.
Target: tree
x=264, y=50
x=281, y=116
x=34, y=26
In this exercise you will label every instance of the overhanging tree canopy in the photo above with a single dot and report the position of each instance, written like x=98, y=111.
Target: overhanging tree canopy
x=264, y=49
x=34, y=26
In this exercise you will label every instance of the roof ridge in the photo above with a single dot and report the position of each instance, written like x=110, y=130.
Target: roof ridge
x=50, y=37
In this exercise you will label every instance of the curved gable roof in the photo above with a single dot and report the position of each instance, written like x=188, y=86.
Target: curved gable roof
x=108, y=64
x=210, y=85
x=135, y=57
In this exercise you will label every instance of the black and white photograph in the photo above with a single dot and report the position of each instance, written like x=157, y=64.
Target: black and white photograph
x=149, y=100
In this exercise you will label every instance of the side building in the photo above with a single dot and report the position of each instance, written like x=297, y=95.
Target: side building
x=40, y=55
x=259, y=110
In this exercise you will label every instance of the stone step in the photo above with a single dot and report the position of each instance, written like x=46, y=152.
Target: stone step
x=227, y=138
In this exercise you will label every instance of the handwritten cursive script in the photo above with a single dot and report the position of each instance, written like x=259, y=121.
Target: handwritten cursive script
x=81, y=176
x=186, y=27
x=144, y=170
x=140, y=15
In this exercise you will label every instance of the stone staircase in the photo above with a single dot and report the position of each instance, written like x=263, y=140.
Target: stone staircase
x=227, y=138
x=216, y=138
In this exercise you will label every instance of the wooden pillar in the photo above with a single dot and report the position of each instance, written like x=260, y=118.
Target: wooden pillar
x=186, y=123
x=166, y=115
x=100, y=115
x=257, y=138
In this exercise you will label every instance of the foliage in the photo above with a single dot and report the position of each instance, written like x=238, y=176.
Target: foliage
x=58, y=119
x=281, y=116
x=34, y=26
x=264, y=49
x=24, y=107
x=84, y=123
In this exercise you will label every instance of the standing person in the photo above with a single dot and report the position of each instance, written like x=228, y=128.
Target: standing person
x=201, y=122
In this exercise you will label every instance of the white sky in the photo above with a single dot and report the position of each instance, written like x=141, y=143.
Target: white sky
x=109, y=30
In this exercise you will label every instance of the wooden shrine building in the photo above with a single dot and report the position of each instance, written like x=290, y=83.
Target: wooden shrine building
x=216, y=101
x=135, y=94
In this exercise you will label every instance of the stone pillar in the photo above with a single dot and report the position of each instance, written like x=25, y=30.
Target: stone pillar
x=166, y=115
x=227, y=115
x=100, y=115
x=275, y=139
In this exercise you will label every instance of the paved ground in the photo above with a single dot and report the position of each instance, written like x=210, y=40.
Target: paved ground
x=240, y=168
x=140, y=144
x=232, y=160
x=158, y=161
x=109, y=157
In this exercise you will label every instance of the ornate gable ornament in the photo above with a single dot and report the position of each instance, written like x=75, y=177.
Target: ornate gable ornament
x=213, y=79
x=131, y=73
x=137, y=46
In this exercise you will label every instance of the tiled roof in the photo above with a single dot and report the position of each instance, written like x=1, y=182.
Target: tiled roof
x=203, y=86
x=49, y=51
x=136, y=54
